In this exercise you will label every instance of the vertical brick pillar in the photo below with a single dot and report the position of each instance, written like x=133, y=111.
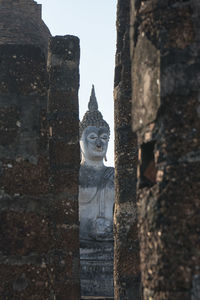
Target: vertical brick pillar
x=165, y=38
x=63, y=68
x=26, y=270
x=126, y=252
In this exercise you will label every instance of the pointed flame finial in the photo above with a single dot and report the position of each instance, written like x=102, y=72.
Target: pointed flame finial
x=93, y=116
x=93, y=105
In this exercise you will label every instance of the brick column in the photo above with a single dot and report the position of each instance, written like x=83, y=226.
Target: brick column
x=63, y=68
x=165, y=38
x=26, y=238
x=126, y=252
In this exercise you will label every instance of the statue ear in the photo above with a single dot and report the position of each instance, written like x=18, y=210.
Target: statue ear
x=105, y=158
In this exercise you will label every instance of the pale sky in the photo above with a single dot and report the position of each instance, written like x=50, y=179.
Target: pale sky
x=93, y=21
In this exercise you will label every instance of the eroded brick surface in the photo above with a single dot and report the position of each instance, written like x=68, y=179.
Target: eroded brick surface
x=21, y=23
x=39, y=236
x=165, y=101
x=126, y=256
x=63, y=68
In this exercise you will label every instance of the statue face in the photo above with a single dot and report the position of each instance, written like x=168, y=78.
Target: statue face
x=94, y=143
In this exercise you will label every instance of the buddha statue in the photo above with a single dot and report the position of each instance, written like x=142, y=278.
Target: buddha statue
x=96, y=201
x=96, y=181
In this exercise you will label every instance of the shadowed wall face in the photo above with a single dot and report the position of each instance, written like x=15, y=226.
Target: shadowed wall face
x=21, y=23
x=24, y=228
x=126, y=251
x=64, y=154
x=165, y=112
x=39, y=237
x=39, y=243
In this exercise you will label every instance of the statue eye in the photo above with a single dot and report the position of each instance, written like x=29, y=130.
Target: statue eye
x=92, y=136
x=104, y=137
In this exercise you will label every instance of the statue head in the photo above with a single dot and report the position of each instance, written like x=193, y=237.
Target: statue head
x=94, y=132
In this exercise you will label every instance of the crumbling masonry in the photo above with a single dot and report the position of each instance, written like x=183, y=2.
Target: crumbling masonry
x=126, y=248
x=164, y=49
x=39, y=158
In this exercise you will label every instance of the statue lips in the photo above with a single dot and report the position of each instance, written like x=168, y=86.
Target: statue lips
x=99, y=148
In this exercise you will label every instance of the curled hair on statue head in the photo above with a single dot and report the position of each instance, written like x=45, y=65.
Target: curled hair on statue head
x=93, y=116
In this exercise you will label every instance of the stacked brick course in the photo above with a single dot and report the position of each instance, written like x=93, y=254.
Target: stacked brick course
x=164, y=49
x=39, y=247
x=63, y=68
x=126, y=261
x=165, y=71
x=21, y=23
x=29, y=7
x=24, y=233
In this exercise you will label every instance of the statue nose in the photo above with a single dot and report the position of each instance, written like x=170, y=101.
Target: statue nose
x=98, y=143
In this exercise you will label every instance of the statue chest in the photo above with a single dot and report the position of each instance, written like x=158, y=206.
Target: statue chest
x=94, y=202
x=96, y=211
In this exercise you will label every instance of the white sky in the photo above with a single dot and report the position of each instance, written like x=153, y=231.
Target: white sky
x=93, y=21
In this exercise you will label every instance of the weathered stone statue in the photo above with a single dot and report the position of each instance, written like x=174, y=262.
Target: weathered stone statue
x=96, y=200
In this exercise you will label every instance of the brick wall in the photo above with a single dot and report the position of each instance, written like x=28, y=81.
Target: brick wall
x=63, y=69
x=126, y=261
x=39, y=247
x=21, y=23
x=165, y=100
x=25, y=235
